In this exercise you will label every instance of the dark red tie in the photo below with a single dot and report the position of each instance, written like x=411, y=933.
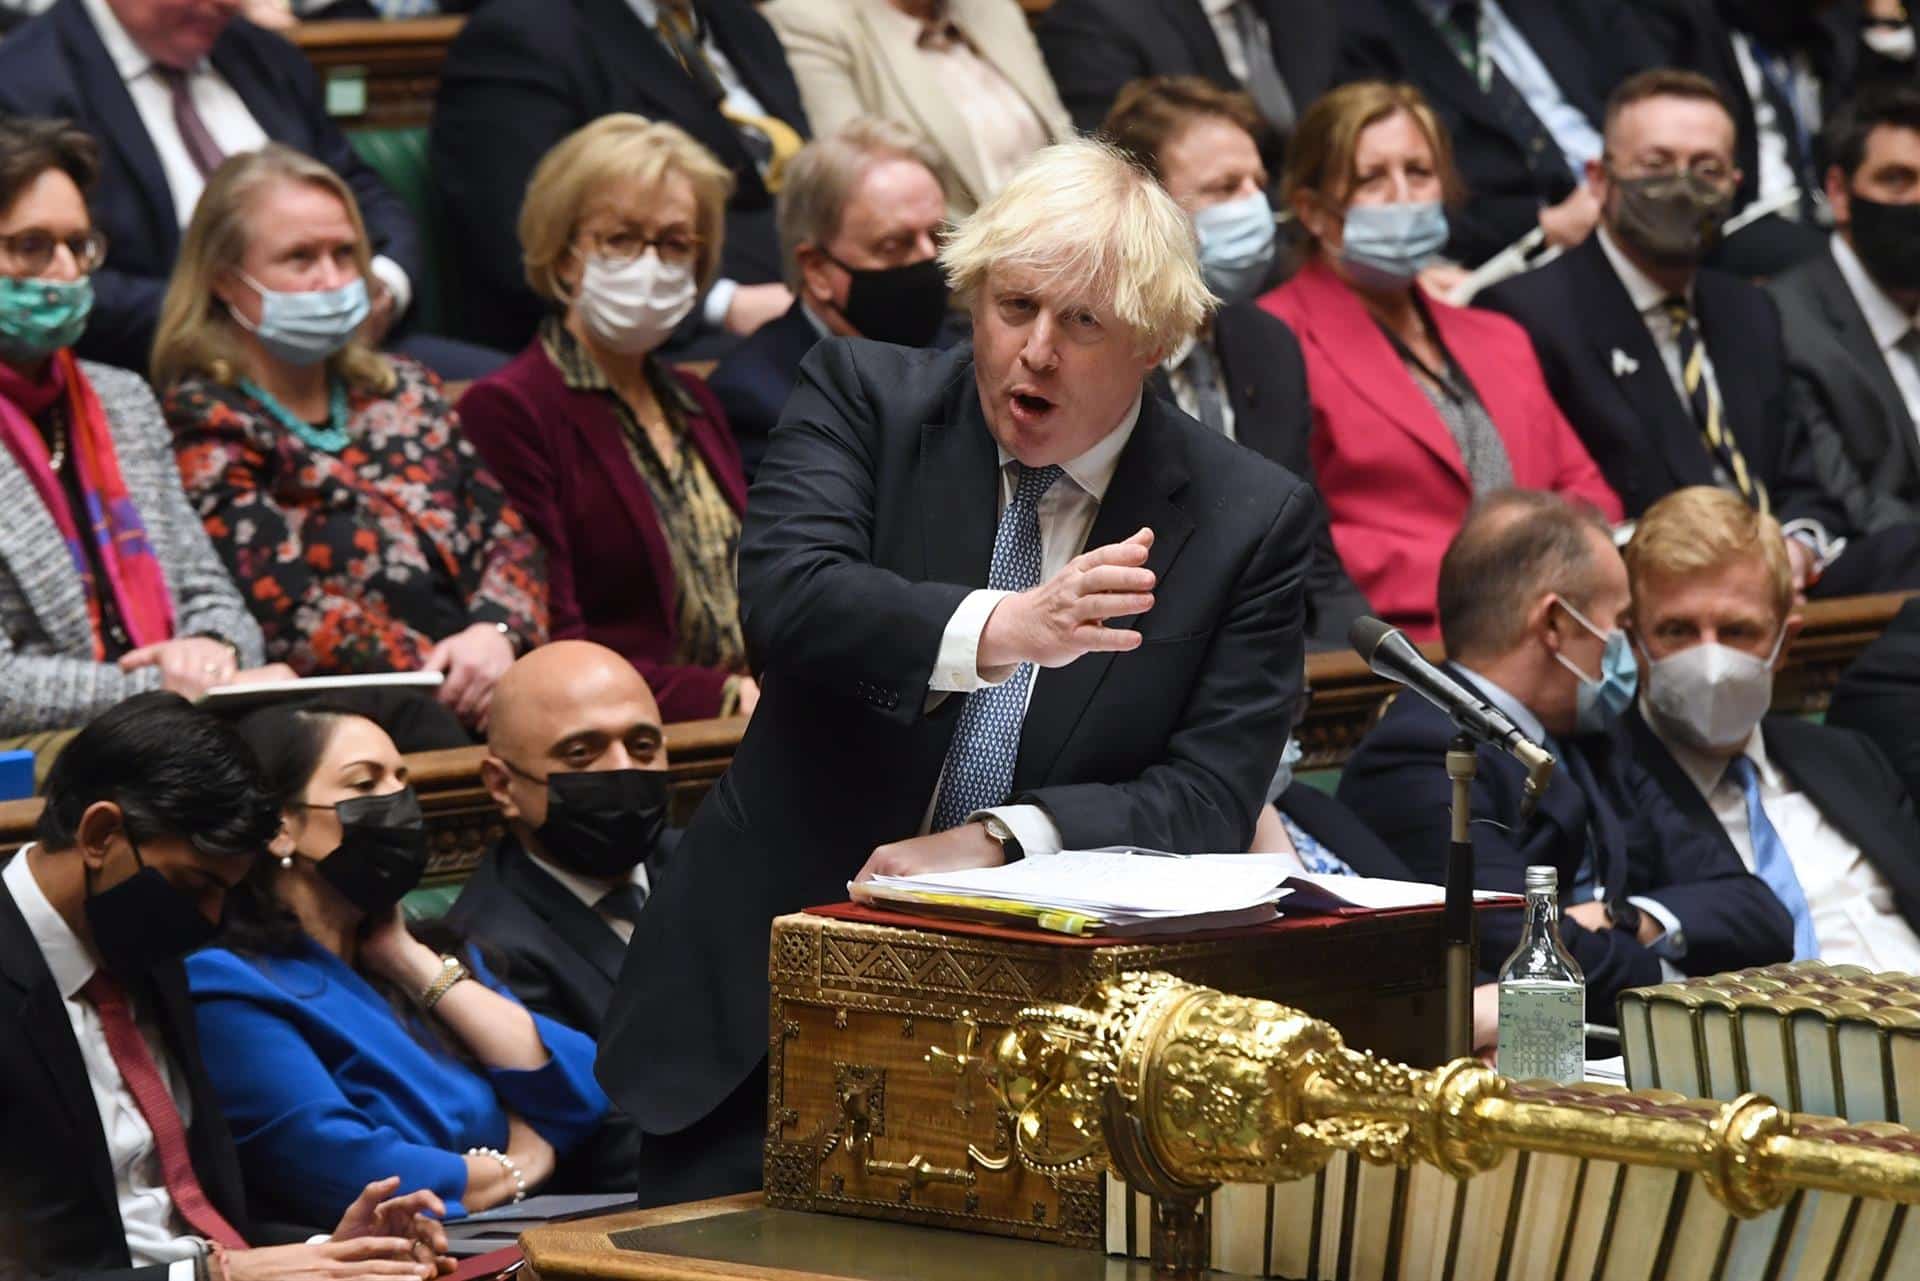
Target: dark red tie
x=149, y=1089
x=202, y=149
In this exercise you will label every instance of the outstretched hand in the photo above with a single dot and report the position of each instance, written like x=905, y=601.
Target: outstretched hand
x=1065, y=617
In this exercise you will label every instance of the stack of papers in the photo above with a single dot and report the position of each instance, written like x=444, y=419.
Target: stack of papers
x=1120, y=892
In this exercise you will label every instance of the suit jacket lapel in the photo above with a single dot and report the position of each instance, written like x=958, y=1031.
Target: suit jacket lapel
x=1648, y=391
x=1850, y=327
x=1152, y=471
x=646, y=68
x=925, y=97
x=1843, y=804
x=32, y=1004
x=1254, y=425
x=958, y=483
x=581, y=926
x=120, y=125
x=1196, y=32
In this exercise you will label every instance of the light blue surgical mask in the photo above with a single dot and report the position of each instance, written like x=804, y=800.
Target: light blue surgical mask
x=39, y=317
x=306, y=328
x=1386, y=246
x=1601, y=700
x=1283, y=776
x=1236, y=246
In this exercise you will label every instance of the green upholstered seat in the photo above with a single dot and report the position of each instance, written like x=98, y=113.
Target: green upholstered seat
x=399, y=156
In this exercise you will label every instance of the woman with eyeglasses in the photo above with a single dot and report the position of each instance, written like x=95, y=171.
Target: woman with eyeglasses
x=108, y=586
x=335, y=480
x=618, y=460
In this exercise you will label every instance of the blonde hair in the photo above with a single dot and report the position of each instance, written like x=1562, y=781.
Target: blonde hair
x=613, y=149
x=1701, y=529
x=1085, y=218
x=197, y=334
x=821, y=178
x=1321, y=152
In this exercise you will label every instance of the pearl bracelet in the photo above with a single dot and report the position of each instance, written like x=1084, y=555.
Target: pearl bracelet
x=509, y=1165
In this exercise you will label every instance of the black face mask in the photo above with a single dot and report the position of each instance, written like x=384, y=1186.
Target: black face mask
x=1887, y=238
x=382, y=852
x=603, y=823
x=144, y=921
x=904, y=305
x=1673, y=219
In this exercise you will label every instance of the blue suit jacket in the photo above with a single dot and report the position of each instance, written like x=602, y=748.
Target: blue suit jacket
x=1642, y=844
x=56, y=65
x=326, y=1090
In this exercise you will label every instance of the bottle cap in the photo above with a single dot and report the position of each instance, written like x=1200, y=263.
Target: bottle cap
x=1543, y=878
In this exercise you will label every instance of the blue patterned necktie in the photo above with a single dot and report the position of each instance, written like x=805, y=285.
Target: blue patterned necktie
x=1771, y=864
x=979, y=773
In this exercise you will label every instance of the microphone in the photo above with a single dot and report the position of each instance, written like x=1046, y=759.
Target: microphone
x=1390, y=654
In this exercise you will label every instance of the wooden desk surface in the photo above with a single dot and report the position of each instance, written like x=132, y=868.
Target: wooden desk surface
x=739, y=1238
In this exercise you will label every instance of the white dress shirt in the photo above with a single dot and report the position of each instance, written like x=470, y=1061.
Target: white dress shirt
x=225, y=116
x=1184, y=394
x=1854, y=914
x=1776, y=154
x=1066, y=513
x=155, y=1234
x=591, y=891
x=1889, y=325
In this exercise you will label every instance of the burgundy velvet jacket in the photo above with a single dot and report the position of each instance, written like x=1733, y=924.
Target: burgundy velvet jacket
x=562, y=457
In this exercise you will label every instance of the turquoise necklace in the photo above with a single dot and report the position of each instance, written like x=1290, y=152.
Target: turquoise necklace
x=332, y=438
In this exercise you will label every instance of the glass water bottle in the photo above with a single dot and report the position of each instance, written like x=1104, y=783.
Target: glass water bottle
x=1543, y=995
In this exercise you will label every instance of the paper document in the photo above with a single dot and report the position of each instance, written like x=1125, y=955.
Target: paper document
x=228, y=698
x=1321, y=892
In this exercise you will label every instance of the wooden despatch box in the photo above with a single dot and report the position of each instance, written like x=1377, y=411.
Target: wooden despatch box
x=875, y=1106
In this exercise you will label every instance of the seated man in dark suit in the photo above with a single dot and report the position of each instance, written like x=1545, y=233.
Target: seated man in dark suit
x=1532, y=595
x=1674, y=374
x=1879, y=694
x=1850, y=312
x=115, y=1161
x=1280, y=52
x=1241, y=372
x=1814, y=811
x=523, y=74
x=1006, y=602
x=577, y=764
x=859, y=214
x=1519, y=86
x=170, y=96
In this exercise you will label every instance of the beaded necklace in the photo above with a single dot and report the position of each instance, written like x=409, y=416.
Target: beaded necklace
x=332, y=438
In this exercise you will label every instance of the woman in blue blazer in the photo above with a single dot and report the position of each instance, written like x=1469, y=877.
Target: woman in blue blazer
x=341, y=1043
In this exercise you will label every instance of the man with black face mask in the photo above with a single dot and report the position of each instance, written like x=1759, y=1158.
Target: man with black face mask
x=1852, y=314
x=859, y=217
x=115, y=1160
x=1674, y=374
x=577, y=764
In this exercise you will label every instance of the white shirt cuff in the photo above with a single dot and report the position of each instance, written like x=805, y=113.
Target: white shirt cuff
x=957, y=668
x=1825, y=547
x=394, y=277
x=1031, y=825
x=181, y=1270
x=1673, y=942
x=719, y=302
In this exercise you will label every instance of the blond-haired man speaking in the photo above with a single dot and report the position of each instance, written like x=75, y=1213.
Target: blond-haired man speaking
x=1003, y=604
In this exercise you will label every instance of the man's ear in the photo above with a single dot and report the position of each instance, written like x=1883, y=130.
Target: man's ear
x=1839, y=196
x=1540, y=622
x=1794, y=623
x=94, y=835
x=494, y=777
x=816, y=280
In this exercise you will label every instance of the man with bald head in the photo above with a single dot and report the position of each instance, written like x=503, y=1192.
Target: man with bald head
x=576, y=761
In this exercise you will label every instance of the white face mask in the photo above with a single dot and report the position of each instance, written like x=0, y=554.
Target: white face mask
x=632, y=308
x=1710, y=696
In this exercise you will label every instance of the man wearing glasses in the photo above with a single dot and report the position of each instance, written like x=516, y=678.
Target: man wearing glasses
x=1674, y=374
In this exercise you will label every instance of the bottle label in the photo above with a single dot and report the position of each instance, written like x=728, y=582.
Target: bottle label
x=1543, y=1032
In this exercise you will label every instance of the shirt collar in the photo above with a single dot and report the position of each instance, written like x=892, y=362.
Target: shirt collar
x=1884, y=317
x=128, y=58
x=1215, y=8
x=1518, y=712
x=1093, y=470
x=69, y=959
x=813, y=318
x=1707, y=771
x=649, y=11
x=580, y=372
x=586, y=889
x=1647, y=296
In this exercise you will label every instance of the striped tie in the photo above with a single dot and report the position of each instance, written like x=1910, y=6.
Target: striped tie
x=771, y=141
x=1703, y=398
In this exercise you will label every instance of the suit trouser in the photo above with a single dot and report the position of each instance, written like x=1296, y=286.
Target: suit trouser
x=717, y=1155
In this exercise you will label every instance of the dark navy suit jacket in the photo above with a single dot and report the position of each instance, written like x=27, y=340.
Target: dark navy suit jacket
x=56, y=65
x=1641, y=844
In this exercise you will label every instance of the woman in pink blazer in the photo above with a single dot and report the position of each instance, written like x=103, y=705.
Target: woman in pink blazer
x=1418, y=407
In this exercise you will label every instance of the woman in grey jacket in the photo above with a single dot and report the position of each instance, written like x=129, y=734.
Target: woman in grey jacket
x=108, y=585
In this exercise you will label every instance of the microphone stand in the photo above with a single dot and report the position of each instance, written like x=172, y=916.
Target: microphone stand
x=1462, y=767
